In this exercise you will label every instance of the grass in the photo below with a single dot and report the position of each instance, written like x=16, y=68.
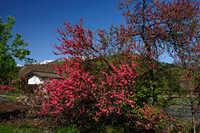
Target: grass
x=13, y=98
x=69, y=129
x=14, y=129
x=29, y=129
x=11, y=93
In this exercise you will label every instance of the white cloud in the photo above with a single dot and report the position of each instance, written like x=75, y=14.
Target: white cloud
x=19, y=65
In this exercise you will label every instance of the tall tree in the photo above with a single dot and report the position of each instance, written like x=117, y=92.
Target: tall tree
x=160, y=26
x=173, y=27
x=146, y=32
x=10, y=51
x=151, y=28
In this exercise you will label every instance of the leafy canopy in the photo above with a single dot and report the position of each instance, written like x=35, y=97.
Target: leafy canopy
x=9, y=51
x=17, y=47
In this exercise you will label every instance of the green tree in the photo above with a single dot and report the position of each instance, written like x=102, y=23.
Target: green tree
x=9, y=51
x=9, y=70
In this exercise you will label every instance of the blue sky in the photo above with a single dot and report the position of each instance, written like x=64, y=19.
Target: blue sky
x=37, y=20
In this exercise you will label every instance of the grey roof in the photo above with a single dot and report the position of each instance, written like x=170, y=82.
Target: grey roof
x=44, y=74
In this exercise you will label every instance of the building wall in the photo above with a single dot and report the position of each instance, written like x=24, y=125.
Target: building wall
x=34, y=80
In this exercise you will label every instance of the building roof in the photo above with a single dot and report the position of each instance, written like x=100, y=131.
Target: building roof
x=44, y=74
x=41, y=70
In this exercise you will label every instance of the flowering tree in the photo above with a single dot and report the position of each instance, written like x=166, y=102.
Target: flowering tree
x=80, y=99
x=160, y=27
x=183, y=26
x=173, y=27
x=119, y=92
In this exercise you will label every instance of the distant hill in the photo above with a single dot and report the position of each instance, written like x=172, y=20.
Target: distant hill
x=58, y=60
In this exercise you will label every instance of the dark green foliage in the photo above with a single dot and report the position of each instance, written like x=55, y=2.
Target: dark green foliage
x=9, y=51
x=9, y=70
